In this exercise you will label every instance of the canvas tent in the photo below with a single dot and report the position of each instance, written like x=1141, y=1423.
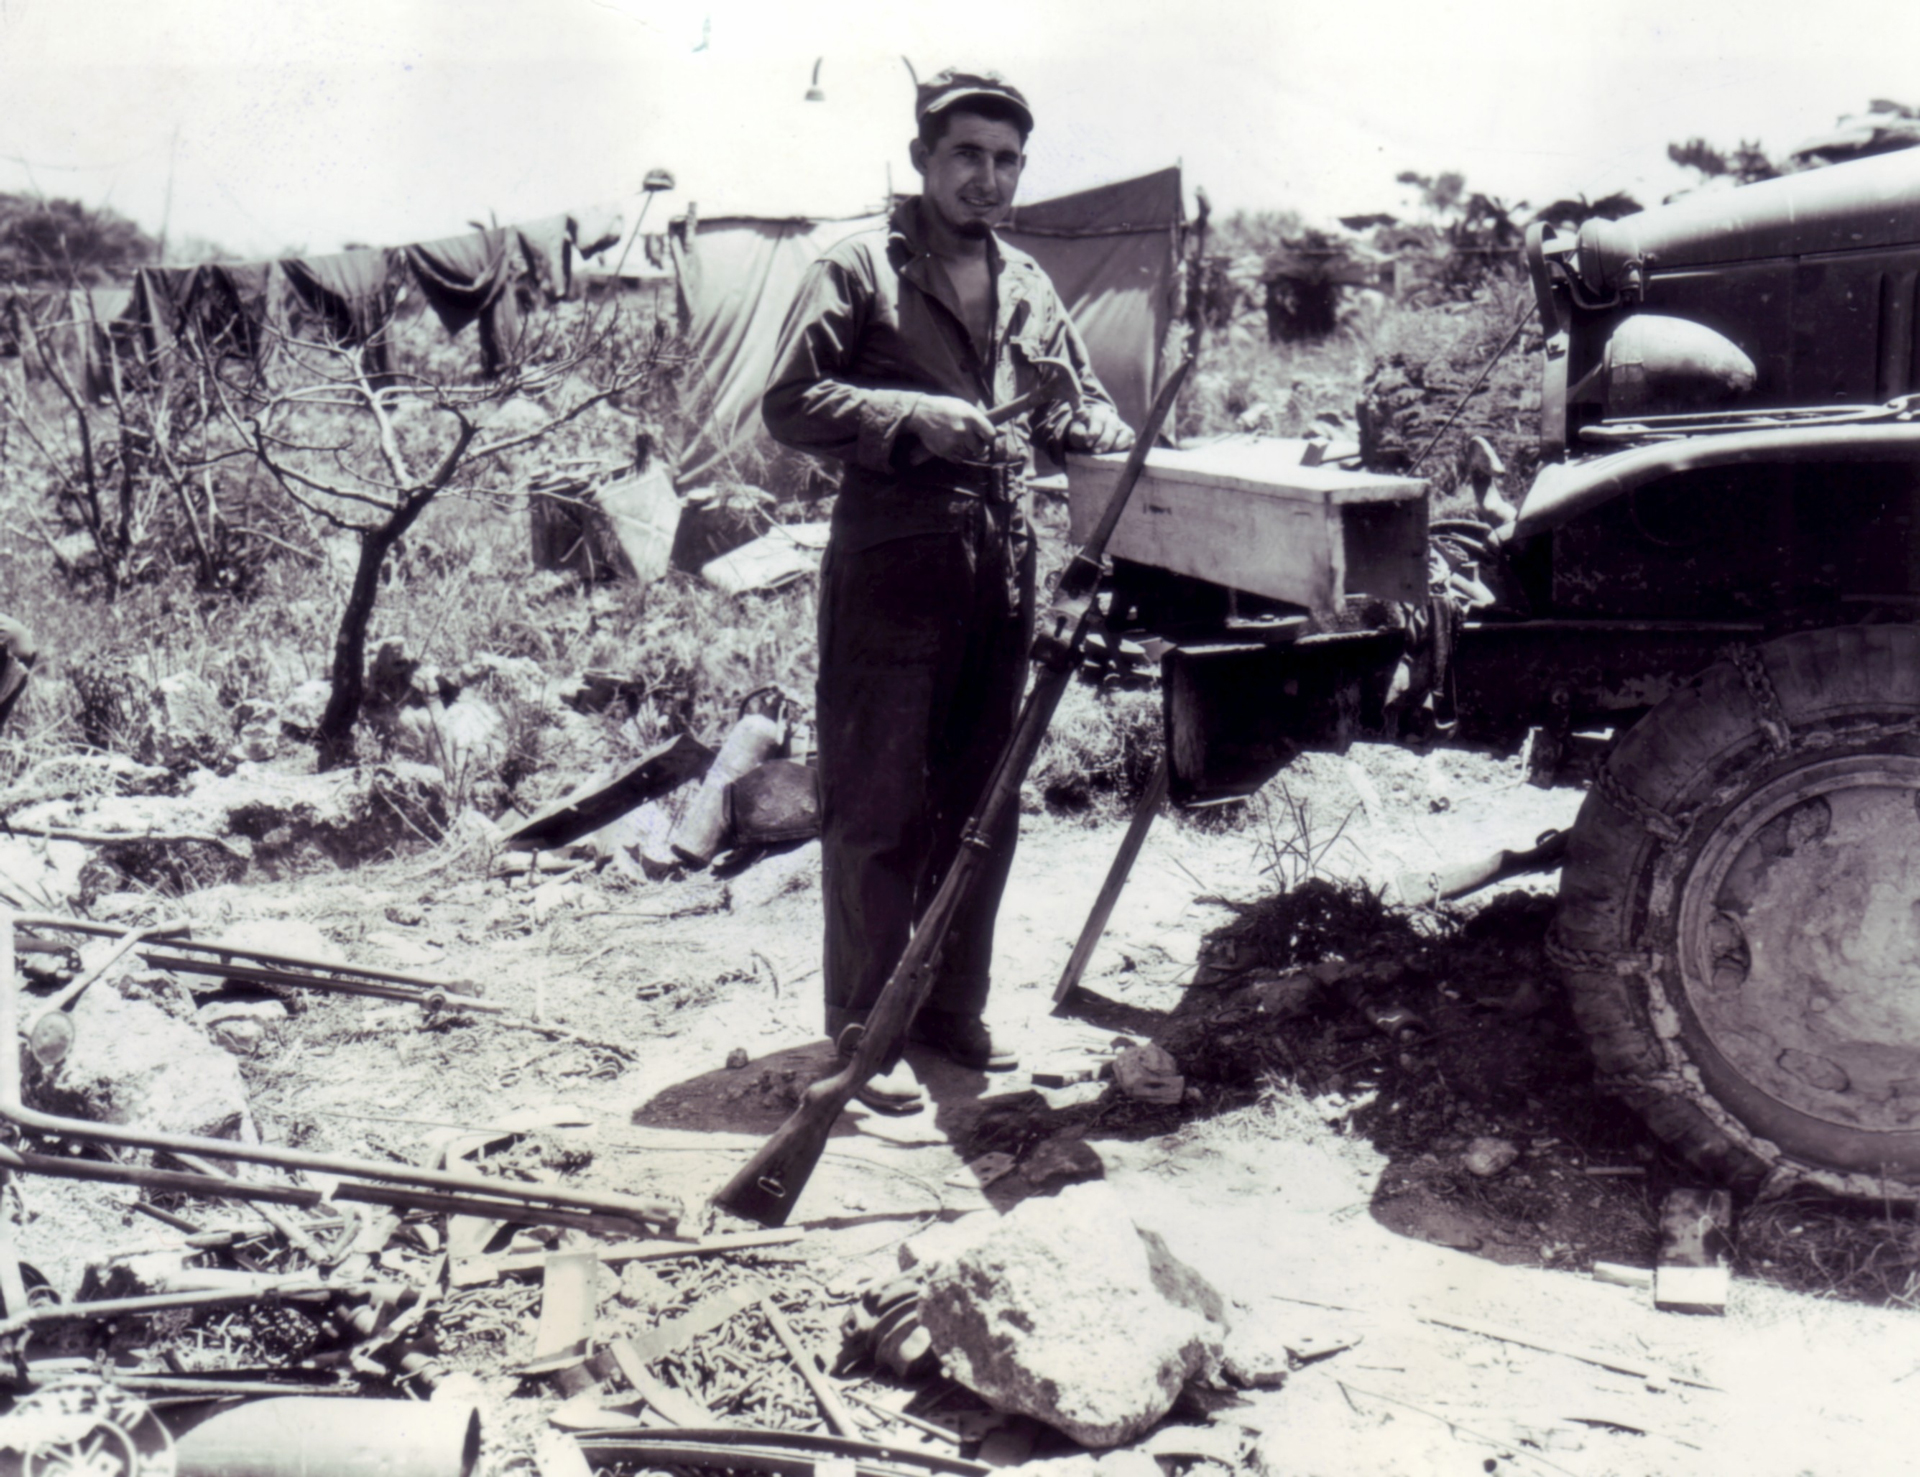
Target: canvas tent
x=1113, y=252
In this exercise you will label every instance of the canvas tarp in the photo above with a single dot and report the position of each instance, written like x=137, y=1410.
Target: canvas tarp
x=737, y=278
x=1112, y=253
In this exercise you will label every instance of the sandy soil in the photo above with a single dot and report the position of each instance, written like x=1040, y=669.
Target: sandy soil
x=1461, y=1328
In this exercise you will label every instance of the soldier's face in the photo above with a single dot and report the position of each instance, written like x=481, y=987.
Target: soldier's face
x=971, y=173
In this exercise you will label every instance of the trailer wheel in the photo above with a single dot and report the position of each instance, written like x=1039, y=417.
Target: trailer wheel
x=1739, y=919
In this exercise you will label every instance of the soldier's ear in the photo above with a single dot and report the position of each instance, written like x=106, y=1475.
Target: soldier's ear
x=917, y=152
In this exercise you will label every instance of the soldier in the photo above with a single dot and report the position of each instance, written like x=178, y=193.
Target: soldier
x=898, y=342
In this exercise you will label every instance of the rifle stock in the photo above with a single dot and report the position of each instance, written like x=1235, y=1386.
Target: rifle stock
x=767, y=1186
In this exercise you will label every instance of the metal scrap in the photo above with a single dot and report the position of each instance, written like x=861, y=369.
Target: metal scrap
x=438, y=1189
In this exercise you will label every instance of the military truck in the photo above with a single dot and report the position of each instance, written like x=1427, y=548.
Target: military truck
x=1718, y=565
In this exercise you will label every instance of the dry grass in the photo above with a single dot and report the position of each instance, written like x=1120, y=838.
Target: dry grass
x=1832, y=1248
x=462, y=588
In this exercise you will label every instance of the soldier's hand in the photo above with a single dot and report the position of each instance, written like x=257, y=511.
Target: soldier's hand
x=950, y=428
x=1097, y=429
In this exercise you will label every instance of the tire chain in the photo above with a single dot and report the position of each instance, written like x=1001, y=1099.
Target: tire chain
x=1566, y=957
x=1768, y=712
x=1675, y=829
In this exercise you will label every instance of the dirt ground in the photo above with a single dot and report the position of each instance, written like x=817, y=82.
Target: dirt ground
x=1441, y=1321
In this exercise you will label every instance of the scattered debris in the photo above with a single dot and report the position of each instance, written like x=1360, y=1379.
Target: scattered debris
x=1149, y=1074
x=1487, y=1157
x=1064, y=1159
x=885, y=1328
x=754, y=738
x=1693, y=1274
x=804, y=1359
x=567, y=1297
x=783, y=554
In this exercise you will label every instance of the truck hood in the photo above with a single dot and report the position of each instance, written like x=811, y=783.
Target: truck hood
x=1856, y=206
x=1563, y=490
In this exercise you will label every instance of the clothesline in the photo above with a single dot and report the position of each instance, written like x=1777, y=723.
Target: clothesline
x=349, y=297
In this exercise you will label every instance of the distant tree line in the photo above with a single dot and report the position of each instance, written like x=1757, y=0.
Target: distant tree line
x=63, y=243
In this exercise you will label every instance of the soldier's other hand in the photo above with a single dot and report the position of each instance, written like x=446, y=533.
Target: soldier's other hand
x=950, y=428
x=1098, y=430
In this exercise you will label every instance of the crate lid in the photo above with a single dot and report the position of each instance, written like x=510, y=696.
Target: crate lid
x=1264, y=464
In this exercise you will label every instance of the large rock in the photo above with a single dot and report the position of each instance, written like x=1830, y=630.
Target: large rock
x=1063, y=1310
x=187, y=724
x=131, y=1063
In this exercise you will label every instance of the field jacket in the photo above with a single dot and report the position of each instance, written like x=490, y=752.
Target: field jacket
x=876, y=326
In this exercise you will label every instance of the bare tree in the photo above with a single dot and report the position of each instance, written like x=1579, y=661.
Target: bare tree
x=154, y=455
x=365, y=450
x=119, y=433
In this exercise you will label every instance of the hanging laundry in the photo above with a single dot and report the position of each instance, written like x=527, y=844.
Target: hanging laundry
x=157, y=314
x=595, y=228
x=67, y=335
x=348, y=298
x=544, y=244
x=230, y=305
x=469, y=277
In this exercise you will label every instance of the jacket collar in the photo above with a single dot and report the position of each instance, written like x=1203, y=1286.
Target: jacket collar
x=1013, y=271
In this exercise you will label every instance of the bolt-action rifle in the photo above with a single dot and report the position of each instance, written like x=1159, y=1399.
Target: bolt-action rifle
x=769, y=1184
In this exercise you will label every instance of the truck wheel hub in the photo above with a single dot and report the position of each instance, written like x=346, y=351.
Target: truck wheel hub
x=1799, y=940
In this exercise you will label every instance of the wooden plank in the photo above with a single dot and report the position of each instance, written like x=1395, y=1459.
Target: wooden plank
x=1693, y=1273
x=1123, y=860
x=831, y=1405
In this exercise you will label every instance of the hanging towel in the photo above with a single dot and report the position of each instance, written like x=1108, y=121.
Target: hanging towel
x=469, y=277
x=596, y=227
x=349, y=298
x=162, y=299
x=70, y=333
x=544, y=246
x=230, y=304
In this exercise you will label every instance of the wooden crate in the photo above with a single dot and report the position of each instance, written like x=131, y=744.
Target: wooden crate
x=1246, y=514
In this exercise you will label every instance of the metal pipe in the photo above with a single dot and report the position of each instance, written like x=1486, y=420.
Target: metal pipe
x=309, y=1436
x=251, y=974
x=166, y=1386
x=83, y=925
x=162, y=1302
x=72, y=992
x=303, y=1240
x=295, y=961
x=748, y=1450
x=648, y=1214
x=62, y=1167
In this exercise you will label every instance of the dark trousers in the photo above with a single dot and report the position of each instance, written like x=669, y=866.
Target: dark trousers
x=923, y=662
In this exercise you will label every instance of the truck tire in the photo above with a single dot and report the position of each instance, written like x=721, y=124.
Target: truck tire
x=1739, y=916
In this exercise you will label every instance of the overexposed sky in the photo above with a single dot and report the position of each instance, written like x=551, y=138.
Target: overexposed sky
x=267, y=125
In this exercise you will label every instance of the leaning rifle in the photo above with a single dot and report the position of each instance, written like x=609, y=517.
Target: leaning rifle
x=768, y=1185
